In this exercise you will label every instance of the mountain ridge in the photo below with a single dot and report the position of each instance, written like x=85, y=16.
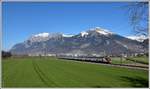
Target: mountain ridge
x=90, y=42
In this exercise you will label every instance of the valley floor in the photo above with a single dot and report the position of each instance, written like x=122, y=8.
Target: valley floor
x=53, y=72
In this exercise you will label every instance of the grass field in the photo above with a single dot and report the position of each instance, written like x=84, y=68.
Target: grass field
x=131, y=60
x=142, y=59
x=53, y=72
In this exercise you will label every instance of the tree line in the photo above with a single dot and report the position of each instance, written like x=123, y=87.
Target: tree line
x=6, y=54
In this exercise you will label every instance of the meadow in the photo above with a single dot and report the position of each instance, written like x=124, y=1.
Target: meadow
x=131, y=60
x=53, y=72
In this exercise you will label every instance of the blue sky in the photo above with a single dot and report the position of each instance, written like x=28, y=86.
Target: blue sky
x=23, y=19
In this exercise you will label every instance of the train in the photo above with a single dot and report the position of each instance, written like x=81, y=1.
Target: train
x=106, y=59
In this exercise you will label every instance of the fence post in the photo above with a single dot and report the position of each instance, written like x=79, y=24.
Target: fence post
x=121, y=60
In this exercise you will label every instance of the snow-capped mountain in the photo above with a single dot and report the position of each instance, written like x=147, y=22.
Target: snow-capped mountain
x=46, y=36
x=84, y=34
x=96, y=31
x=39, y=37
x=93, y=41
x=67, y=35
x=139, y=38
x=43, y=37
x=102, y=31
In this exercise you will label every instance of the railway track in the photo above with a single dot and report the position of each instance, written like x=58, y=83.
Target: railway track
x=101, y=61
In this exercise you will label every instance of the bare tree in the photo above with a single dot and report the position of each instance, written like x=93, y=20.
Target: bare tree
x=138, y=17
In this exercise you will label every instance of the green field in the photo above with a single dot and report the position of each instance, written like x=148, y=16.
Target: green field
x=130, y=60
x=142, y=59
x=53, y=72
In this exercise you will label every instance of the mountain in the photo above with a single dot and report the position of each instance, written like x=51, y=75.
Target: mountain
x=97, y=41
x=145, y=43
x=44, y=37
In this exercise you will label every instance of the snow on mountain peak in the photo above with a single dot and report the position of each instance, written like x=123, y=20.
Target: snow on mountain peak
x=102, y=31
x=64, y=35
x=84, y=33
x=39, y=37
x=96, y=30
x=44, y=34
x=139, y=38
